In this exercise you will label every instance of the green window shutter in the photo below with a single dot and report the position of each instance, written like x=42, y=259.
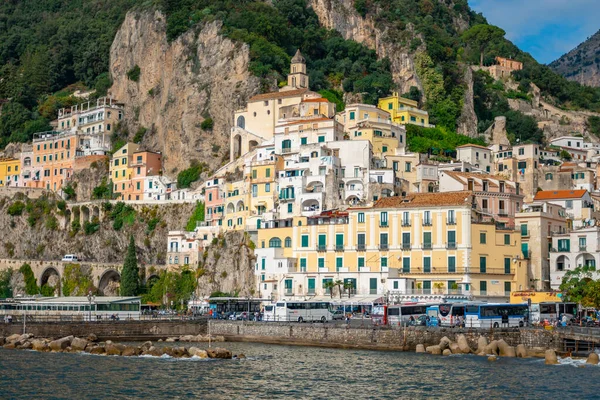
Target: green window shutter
x=451, y=264
x=322, y=240
x=406, y=265
x=483, y=287
x=311, y=285
x=303, y=263
x=507, y=265
x=451, y=237
x=427, y=238
x=321, y=262
x=507, y=287
x=263, y=262
x=427, y=264
x=361, y=262
x=384, y=262
x=339, y=239
x=524, y=230
x=339, y=263
x=482, y=264
x=507, y=239
x=304, y=240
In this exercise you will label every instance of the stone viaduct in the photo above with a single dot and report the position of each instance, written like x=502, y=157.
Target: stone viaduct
x=102, y=274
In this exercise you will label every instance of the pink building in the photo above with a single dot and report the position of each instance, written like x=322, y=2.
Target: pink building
x=214, y=198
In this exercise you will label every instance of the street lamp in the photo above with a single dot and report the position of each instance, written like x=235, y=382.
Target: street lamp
x=91, y=298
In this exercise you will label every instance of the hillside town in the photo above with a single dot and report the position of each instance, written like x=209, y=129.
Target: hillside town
x=331, y=196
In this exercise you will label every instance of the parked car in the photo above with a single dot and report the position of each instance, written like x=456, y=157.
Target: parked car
x=70, y=258
x=337, y=315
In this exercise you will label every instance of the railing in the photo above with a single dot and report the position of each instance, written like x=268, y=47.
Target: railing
x=582, y=248
x=451, y=245
x=405, y=223
x=493, y=271
x=339, y=247
x=405, y=246
x=383, y=246
x=321, y=247
x=383, y=224
x=526, y=254
x=426, y=223
x=427, y=246
x=451, y=222
x=360, y=247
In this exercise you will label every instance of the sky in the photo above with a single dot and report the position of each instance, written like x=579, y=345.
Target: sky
x=546, y=29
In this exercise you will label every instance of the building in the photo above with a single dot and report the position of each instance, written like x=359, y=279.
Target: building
x=478, y=156
x=53, y=157
x=432, y=238
x=504, y=67
x=578, y=204
x=580, y=247
x=404, y=111
x=184, y=249
x=144, y=165
x=9, y=171
x=537, y=222
x=120, y=171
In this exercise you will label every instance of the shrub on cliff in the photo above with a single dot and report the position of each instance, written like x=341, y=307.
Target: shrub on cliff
x=190, y=175
x=5, y=287
x=16, y=208
x=197, y=216
x=77, y=281
x=31, y=287
x=134, y=73
x=130, y=276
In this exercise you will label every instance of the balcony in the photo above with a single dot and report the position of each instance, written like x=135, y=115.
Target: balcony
x=426, y=222
x=451, y=245
x=321, y=247
x=289, y=292
x=383, y=246
x=426, y=246
x=383, y=224
x=493, y=271
x=339, y=247
x=451, y=222
x=582, y=248
x=405, y=246
x=360, y=247
x=526, y=254
x=405, y=223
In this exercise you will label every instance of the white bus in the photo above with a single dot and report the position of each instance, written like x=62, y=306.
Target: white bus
x=496, y=315
x=298, y=311
x=552, y=311
x=452, y=314
x=397, y=314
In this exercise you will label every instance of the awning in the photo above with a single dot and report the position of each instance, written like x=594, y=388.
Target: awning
x=346, y=300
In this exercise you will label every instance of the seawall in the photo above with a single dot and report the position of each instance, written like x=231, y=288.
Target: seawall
x=121, y=330
x=397, y=338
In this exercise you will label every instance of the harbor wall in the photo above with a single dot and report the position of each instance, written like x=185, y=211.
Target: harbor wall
x=122, y=330
x=397, y=338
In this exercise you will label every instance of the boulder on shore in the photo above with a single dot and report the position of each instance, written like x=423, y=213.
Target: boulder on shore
x=492, y=358
x=113, y=349
x=420, y=348
x=521, y=351
x=536, y=352
x=219, y=352
x=9, y=345
x=436, y=350
x=92, y=338
x=97, y=350
x=78, y=344
x=61, y=344
x=444, y=343
x=447, y=352
x=2, y=341
x=196, y=352
x=187, y=338
x=39, y=345
x=130, y=351
x=502, y=348
x=551, y=357
x=455, y=348
x=482, y=343
x=171, y=340
x=592, y=359
x=13, y=338
x=463, y=345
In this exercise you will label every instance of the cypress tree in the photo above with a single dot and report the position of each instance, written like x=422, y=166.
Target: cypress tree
x=130, y=277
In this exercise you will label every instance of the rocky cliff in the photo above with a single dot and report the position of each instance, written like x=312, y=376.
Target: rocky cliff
x=198, y=76
x=582, y=64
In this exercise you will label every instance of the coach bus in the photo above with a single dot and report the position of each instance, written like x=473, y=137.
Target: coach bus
x=298, y=311
x=398, y=314
x=496, y=315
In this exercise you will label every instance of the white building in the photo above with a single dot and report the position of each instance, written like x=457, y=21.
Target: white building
x=577, y=204
x=478, y=156
x=580, y=247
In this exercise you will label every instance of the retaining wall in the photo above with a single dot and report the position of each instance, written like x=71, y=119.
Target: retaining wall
x=374, y=337
x=131, y=330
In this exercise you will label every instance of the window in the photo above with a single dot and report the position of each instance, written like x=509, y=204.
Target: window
x=524, y=230
x=406, y=265
x=321, y=262
x=339, y=263
x=339, y=241
x=268, y=172
x=267, y=187
x=426, y=264
x=427, y=240
x=137, y=186
x=451, y=239
x=564, y=245
x=352, y=115
x=311, y=284
x=406, y=240
x=569, y=204
x=383, y=218
x=322, y=242
x=451, y=264
x=405, y=218
x=384, y=149
x=390, y=106
x=507, y=288
x=548, y=176
x=383, y=241
x=361, y=217
x=373, y=286
x=482, y=238
x=395, y=285
x=288, y=242
x=321, y=139
x=304, y=241
x=582, y=244
x=254, y=174
x=383, y=262
x=254, y=190
x=303, y=141
x=482, y=264
x=427, y=218
x=507, y=239
x=483, y=288
x=290, y=207
x=451, y=218
x=507, y=265
x=407, y=167
x=275, y=242
x=263, y=263
x=522, y=151
x=361, y=262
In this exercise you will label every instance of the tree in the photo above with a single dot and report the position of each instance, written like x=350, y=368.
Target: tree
x=578, y=286
x=329, y=285
x=565, y=155
x=31, y=287
x=348, y=285
x=481, y=36
x=130, y=277
x=339, y=284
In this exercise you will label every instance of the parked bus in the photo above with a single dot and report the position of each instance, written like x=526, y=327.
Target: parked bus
x=488, y=315
x=398, y=314
x=298, y=311
x=448, y=314
x=225, y=307
x=552, y=311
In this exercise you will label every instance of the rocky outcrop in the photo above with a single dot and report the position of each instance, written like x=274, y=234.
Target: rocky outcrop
x=467, y=122
x=341, y=16
x=200, y=75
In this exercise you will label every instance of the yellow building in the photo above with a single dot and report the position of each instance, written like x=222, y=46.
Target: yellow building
x=366, y=122
x=404, y=111
x=428, y=239
x=263, y=190
x=120, y=170
x=237, y=202
x=9, y=171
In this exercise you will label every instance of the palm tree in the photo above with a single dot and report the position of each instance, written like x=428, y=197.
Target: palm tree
x=339, y=284
x=329, y=285
x=349, y=286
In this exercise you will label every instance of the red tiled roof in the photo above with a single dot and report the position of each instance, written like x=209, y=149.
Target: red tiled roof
x=278, y=95
x=425, y=200
x=308, y=120
x=318, y=100
x=472, y=145
x=559, y=194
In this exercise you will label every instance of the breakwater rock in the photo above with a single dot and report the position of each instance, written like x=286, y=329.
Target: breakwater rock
x=71, y=344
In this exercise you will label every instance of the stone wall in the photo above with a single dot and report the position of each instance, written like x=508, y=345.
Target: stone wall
x=123, y=330
x=396, y=338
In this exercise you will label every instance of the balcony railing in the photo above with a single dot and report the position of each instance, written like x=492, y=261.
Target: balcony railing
x=405, y=223
x=405, y=246
x=427, y=246
x=360, y=247
x=451, y=222
x=493, y=271
x=383, y=224
x=321, y=247
x=426, y=222
x=582, y=248
x=526, y=254
x=451, y=245
x=339, y=247
x=383, y=246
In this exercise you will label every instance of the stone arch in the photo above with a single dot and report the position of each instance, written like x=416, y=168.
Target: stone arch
x=95, y=213
x=252, y=144
x=109, y=283
x=51, y=277
x=237, y=146
x=230, y=208
x=241, y=122
x=68, y=215
x=585, y=259
x=85, y=214
x=352, y=200
x=562, y=263
x=240, y=206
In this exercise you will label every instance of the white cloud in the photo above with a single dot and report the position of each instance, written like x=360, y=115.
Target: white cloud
x=546, y=28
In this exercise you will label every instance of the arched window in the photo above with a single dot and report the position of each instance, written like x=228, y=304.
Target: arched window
x=288, y=242
x=275, y=242
x=286, y=145
x=431, y=187
x=548, y=176
x=241, y=122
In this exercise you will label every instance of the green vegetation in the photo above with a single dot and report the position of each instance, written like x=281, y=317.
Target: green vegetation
x=31, y=287
x=69, y=192
x=89, y=228
x=207, y=124
x=122, y=214
x=186, y=177
x=436, y=140
x=334, y=96
x=197, y=216
x=130, y=276
x=579, y=286
x=171, y=286
x=594, y=125
x=139, y=135
x=134, y=73
x=104, y=190
x=77, y=281
x=481, y=36
x=5, y=286
x=16, y=208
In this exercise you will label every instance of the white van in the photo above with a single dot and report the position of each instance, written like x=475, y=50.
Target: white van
x=70, y=258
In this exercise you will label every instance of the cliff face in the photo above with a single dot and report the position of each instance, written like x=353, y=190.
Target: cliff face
x=200, y=75
x=581, y=64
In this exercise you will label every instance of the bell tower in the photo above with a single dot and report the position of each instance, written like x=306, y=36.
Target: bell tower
x=298, y=79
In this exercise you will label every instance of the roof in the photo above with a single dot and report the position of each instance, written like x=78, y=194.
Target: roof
x=278, y=95
x=317, y=100
x=559, y=194
x=425, y=199
x=307, y=120
x=457, y=175
x=298, y=58
x=472, y=145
